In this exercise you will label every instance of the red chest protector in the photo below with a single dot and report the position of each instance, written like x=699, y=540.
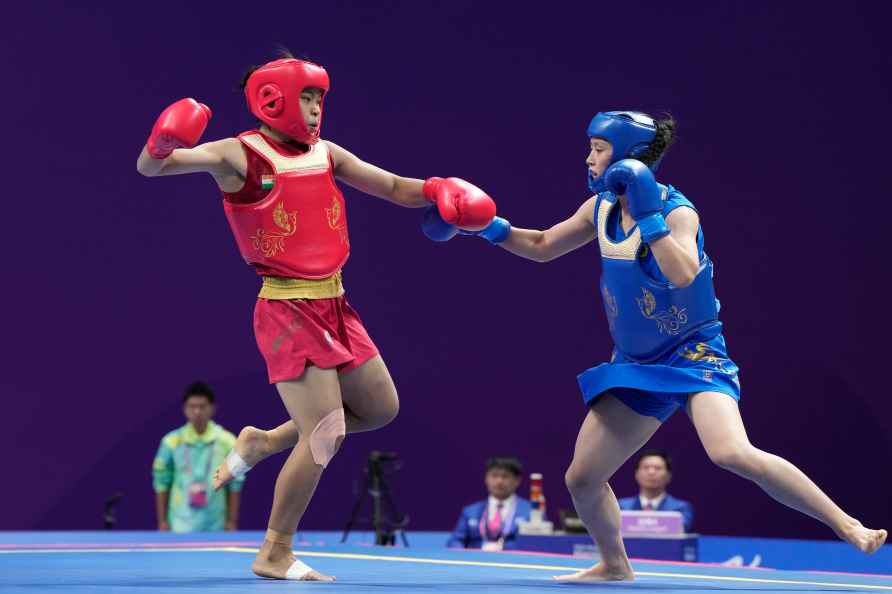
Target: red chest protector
x=300, y=228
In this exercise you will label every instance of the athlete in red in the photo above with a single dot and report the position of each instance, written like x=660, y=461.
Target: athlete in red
x=289, y=220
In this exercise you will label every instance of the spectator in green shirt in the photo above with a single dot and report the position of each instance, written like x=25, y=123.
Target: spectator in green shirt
x=183, y=469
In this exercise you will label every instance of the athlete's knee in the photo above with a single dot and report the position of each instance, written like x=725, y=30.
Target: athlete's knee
x=327, y=436
x=384, y=411
x=389, y=410
x=739, y=458
x=575, y=480
x=580, y=479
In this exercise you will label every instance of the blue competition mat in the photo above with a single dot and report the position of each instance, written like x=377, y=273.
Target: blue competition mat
x=148, y=562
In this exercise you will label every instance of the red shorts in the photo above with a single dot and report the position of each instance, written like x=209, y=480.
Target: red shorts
x=294, y=333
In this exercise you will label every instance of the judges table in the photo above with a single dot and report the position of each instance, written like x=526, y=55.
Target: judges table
x=646, y=534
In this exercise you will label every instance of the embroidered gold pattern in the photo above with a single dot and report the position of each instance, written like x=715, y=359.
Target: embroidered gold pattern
x=669, y=321
x=333, y=215
x=273, y=242
x=703, y=353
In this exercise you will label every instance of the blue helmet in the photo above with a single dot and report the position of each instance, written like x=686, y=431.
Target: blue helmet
x=629, y=132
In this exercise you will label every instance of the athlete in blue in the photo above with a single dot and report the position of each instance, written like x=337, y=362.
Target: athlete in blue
x=669, y=353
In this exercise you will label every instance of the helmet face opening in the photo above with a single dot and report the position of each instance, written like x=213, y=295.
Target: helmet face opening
x=628, y=132
x=273, y=94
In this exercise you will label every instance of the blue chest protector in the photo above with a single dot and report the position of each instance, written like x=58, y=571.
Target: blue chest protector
x=646, y=314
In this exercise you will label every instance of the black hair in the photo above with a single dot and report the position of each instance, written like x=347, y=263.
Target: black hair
x=654, y=452
x=511, y=465
x=198, y=389
x=281, y=53
x=664, y=138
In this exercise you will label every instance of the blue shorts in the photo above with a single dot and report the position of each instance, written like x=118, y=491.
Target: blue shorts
x=660, y=388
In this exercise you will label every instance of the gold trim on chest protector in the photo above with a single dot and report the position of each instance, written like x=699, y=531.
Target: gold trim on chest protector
x=316, y=158
x=627, y=249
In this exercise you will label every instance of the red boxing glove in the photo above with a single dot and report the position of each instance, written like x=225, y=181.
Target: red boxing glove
x=180, y=125
x=460, y=203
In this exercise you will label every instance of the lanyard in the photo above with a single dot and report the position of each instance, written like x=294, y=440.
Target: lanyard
x=186, y=459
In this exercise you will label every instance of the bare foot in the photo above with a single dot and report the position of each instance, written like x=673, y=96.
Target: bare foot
x=863, y=539
x=274, y=560
x=599, y=573
x=252, y=445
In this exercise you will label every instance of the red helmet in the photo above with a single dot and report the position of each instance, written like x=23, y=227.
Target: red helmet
x=273, y=94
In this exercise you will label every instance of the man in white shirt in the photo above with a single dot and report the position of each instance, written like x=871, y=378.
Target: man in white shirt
x=491, y=524
x=653, y=473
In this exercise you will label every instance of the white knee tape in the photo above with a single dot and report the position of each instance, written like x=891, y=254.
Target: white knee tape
x=324, y=438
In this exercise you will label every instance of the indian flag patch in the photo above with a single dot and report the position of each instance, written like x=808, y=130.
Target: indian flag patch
x=266, y=181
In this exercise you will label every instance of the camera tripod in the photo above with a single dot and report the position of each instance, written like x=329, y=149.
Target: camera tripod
x=386, y=520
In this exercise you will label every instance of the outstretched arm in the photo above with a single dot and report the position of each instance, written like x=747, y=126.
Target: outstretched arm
x=367, y=178
x=566, y=236
x=539, y=246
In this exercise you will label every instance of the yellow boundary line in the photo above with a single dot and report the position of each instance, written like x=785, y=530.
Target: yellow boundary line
x=456, y=562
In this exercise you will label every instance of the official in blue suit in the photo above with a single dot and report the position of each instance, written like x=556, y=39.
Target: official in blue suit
x=491, y=524
x=653, y=473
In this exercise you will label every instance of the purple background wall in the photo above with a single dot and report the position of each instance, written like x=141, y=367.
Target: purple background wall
x=119, y=290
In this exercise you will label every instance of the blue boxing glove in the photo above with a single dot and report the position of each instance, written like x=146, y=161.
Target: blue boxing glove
x=633, y=178
x=436, y=229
